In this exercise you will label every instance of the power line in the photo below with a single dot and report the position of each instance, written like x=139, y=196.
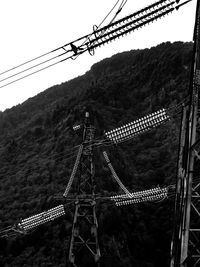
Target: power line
x=67, y=156
x=98, y=37
x=63, y=47
x=173, y=110
x=59, y=49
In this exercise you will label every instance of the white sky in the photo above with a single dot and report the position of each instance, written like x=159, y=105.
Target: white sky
x=30, y=28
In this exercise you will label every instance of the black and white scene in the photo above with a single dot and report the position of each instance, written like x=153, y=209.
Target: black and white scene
x=100, y=133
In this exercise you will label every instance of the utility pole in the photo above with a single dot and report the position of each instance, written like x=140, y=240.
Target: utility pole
x=84, y=240
x=186, y=237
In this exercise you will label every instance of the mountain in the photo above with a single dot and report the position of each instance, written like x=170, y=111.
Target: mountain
x=38, y=149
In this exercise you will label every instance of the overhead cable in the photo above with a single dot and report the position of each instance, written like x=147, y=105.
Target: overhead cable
x=90, y=42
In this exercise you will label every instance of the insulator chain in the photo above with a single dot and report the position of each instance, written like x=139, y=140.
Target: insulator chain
x=41, y=218
x=90, y=42
x=132, y=129
x=25, y=225
x=114, y=173
x=149, y=195
x=129, y=23
x=71, y=179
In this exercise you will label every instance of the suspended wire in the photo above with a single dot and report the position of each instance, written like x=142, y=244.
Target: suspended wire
x=27, y=62
x=43, y=55
x=118, y=11
x=37, y=65
x=68, y=152
x=98, y=143
x=48, y=60
x=169, y=187
x=127, y=18
x=95, y=28
x=170, y=194
x=67, y=156
x=127, y=27
x=12, y=230
x=106, y=142
x=99, y=40
x=59, y=48
x=30, y=74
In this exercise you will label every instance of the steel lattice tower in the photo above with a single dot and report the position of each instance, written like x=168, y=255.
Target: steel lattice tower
x=84, y=240
x=185, y=250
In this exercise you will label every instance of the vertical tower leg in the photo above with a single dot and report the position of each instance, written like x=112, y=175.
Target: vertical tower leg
x=84, y=247
x=186, y=239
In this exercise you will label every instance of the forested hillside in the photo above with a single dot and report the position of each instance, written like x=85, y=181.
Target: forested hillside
x=38, y=148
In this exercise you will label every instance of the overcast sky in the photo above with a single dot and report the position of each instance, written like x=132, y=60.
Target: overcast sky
x=30, y=28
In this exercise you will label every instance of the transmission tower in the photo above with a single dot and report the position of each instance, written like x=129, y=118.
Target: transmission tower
x=84, y=245
x=185, y=250
x=84, y=230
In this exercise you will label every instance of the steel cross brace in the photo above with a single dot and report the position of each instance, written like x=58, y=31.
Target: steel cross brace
x=84, y=239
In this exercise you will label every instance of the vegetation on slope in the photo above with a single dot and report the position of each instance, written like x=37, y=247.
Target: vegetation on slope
x=38, y=149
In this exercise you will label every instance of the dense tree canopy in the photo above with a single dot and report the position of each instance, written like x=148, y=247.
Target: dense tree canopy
x=38, y=149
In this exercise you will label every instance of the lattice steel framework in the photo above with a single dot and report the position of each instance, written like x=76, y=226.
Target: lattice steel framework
x=185, y=250
x=84, y=240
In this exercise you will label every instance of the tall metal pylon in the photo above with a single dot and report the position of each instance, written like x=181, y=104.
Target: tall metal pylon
x=185, y=250
x=84, y=244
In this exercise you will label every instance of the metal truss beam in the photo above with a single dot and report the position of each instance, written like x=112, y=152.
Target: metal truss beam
x=186, y=237
x=84, y=240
